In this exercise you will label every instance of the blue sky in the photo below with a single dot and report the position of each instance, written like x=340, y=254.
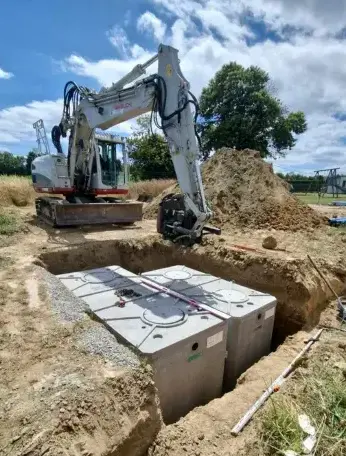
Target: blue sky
x=299, y=42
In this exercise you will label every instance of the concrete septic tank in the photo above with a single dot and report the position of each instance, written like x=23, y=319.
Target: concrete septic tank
x=186, y=346
x=251, y=314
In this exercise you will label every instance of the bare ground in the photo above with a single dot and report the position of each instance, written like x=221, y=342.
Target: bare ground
x=57, y=399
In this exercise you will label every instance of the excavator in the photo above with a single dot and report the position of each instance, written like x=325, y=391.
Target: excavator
x=80, y=177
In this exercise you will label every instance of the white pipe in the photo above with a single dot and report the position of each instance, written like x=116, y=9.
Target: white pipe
x=269, y=391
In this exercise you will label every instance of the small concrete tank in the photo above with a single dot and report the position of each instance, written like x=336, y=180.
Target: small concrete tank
x=251, y=314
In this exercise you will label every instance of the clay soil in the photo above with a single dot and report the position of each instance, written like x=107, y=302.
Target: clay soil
x=57, y=399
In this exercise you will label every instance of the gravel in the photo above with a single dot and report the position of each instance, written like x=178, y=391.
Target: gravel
x=98, y=341
x=95, y=339
x=65, y=305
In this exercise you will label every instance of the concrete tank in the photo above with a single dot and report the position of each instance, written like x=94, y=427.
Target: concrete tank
x=186, y=346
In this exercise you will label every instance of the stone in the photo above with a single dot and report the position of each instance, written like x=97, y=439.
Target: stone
x=269, y=243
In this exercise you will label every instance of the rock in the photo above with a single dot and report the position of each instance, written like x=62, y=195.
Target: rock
x=200, y=436
x=241, y=379
x=15, y=438
x=75, y=421
x=269, y=243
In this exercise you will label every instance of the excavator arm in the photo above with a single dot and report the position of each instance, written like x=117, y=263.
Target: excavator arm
x=166, y=94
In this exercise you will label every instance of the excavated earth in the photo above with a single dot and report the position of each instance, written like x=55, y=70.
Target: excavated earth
x=243, y=191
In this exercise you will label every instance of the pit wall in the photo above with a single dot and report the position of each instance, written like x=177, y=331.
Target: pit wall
x=296, y=285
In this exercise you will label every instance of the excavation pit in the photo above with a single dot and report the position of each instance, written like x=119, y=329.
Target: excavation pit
x=297, y=289
x=193, y=328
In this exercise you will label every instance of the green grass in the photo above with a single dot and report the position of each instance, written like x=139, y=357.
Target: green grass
x=312, y=198
x=9, y=224
x=320, y=394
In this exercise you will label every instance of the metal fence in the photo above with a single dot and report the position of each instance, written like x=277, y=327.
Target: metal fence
x=305, y=186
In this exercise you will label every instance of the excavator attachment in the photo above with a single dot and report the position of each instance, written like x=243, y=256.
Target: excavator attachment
x=176, y=222
x=58, y=212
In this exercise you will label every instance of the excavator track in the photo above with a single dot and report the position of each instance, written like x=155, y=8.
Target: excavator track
x=59, y=212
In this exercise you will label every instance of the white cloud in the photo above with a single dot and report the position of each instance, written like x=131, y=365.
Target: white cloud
x=148, y=22
x=312, y=15
x=16, y=125
x=319, y=16
x=16, y=122
x=109, y=70
x=117, y=36
x=5, y=75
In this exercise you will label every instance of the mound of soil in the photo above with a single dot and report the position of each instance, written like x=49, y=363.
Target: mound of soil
x=243, y=191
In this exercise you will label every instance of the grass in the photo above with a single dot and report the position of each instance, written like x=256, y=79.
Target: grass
x=16, y=191
x=320, y=394
x=312, y=198
x=9, y=224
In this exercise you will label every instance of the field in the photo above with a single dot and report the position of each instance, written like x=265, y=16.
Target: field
x=18, y=191
x=313, y=198
x=76, y=395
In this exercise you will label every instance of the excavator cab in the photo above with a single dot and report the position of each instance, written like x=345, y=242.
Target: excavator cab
x=110, y=166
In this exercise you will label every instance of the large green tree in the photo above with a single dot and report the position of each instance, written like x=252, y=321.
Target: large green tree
x=238, y=109
x=149, y=153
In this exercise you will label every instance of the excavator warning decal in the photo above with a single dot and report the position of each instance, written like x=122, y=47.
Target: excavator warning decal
x=169, y=70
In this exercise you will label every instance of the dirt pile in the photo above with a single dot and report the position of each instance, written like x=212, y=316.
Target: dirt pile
x=243, y=191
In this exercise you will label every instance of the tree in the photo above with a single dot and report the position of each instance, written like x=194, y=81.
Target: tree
x=34, y=153
x=149, y=153
x=238, y=109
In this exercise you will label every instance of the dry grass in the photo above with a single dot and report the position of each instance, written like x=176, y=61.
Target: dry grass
x=147, y=190
x=16, y=191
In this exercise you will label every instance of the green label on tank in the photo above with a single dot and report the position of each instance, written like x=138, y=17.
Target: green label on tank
x=194, y=356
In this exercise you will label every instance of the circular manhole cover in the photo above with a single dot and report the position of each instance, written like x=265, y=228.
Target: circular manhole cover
x=99, y=276
x=164, y=316
x=232, y=296
x=177, y=275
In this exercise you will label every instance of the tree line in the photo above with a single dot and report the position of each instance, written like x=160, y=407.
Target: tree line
x=237, y=109
x=14, y=164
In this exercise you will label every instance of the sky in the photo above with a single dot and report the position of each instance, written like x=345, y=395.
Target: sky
x=300, y=43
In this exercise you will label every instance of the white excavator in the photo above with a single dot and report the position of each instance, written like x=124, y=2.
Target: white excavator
x=80, y=176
